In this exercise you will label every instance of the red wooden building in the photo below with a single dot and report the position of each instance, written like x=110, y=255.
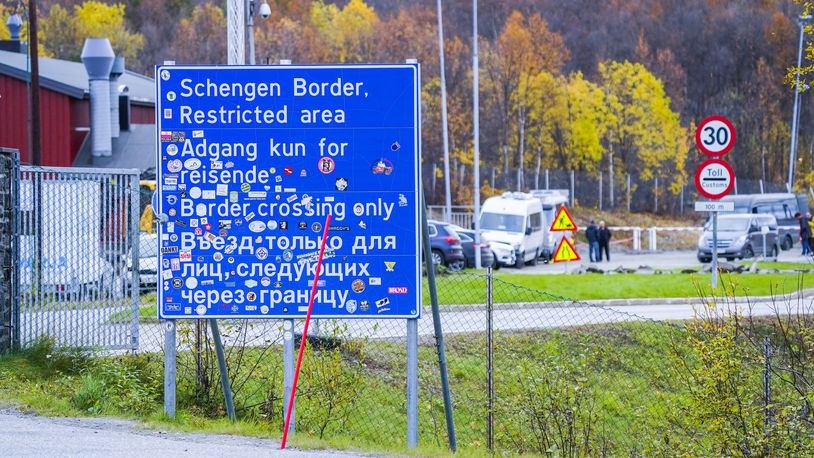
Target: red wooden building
x=65, y=114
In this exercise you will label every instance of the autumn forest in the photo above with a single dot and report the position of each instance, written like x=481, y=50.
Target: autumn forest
x=613, y=86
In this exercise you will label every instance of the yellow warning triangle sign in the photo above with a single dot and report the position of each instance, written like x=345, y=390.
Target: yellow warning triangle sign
x=565, y=252
x=563, y=221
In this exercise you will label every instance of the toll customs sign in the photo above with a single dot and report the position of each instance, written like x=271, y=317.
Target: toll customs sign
x=252, y=159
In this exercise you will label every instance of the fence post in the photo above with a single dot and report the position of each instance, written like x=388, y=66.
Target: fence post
x=767, y=383
x=489, y=362
x=572, y=188
x=412, y=383
x=761, y=186
x=600, y=191
x=546, y=179
x=637, y=239
x=681, y=201
x=651, y=239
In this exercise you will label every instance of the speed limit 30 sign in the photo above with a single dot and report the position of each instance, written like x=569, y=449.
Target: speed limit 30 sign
x=715, y=136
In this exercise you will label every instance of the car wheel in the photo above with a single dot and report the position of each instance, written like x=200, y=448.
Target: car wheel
x=748, y=252
x=520, y=261
x=456, y=266
x=787, y=243
x=437, y=258
x=533, y=262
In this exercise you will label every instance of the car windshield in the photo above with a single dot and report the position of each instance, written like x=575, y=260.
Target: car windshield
x=742, y=207
x=501, y=222
x=732, y=224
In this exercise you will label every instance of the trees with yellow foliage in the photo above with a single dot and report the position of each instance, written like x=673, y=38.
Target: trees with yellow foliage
x=64, y=32
x=347, y=34
x=645, y=137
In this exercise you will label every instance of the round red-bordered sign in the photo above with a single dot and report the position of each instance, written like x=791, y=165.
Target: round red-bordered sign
x=715, y=136
x=714, y=178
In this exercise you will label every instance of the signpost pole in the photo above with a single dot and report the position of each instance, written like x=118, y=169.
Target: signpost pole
x=224, y=372
x=412, y=383
x=714, y=249
x=288, y=371
x=169, y=368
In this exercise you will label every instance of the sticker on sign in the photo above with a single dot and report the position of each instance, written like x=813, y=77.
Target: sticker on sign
x=714, y=178
x=715, y=206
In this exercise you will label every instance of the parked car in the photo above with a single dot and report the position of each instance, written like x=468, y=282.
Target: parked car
x=487, y=258
x=147, y=260
x=782, y=206
x=740, y=236
x=517, y=220
x=445, y=244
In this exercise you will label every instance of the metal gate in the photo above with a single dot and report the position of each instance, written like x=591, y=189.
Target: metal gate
x=78, y=256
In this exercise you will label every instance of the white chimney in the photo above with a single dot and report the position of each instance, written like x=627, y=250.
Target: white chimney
x=115, y=73
x=98, y=56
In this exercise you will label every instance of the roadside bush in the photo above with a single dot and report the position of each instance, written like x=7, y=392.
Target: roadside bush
x=123, y=384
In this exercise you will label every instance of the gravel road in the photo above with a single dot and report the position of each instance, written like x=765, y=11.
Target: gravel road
x=26, y=435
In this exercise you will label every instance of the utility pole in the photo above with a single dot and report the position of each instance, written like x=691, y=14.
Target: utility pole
x=35, y=155
x=444, y=125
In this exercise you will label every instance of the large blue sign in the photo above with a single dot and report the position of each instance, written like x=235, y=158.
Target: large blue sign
x=250, y=162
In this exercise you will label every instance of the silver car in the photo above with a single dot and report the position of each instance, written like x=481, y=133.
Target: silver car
x=741, y=236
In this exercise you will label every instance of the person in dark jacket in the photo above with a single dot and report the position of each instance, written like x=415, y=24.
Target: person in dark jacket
x=604, y=236
x=805, y=232
x=592, y=234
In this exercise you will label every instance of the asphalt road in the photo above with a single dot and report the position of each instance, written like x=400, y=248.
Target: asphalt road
x=24, y=435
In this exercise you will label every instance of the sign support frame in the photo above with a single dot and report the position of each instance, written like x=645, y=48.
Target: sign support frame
x=714, y=264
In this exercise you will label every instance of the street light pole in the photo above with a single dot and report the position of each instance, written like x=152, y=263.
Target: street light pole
x=250, y=24
x=444, y=125
x=803, y=21
x=476, y=131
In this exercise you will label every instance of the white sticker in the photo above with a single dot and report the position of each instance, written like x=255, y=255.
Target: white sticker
x=209, y=194
x=257, y=226
x=193, y=222
x=170, y=227
x=204, y=220
x=278, y=189
x=174, y=165
x=249, y=217
x=272, y=225
x=192, y=282
x=222, y=190
x=197, y=134
x=292, y=198
x=216, y=165
x=195, y=192
x=251, y=283
x=192, y=163
x=185, y=256
x=166, y=273
x=375, y=281
x=200, y=209
x=200, y=309
x=329, y=198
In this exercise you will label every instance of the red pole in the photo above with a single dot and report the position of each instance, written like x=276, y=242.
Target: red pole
x=305, y=332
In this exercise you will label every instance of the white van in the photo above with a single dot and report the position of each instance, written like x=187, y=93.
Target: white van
x=552, y=200
x=517, y=220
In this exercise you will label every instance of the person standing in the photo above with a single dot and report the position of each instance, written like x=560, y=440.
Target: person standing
x=805, y=233
x=592, y=234
x=810, y=233
x=604, y=237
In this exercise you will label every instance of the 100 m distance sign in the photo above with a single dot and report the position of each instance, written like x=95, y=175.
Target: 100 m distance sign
x=250, y=162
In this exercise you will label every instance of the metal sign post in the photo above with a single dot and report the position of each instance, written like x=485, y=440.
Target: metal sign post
x=714, y=264
x=714, y=178
x=169, y=368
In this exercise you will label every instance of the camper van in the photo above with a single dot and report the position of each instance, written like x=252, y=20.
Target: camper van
x=551, y=199
x=517, y=220
x=782, y=206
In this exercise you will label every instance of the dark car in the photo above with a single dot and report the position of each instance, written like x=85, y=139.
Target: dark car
x=487, y=259
x=445, y=244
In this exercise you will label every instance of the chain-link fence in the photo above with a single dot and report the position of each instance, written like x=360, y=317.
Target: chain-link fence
x=77, y=236
x=600, y=190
